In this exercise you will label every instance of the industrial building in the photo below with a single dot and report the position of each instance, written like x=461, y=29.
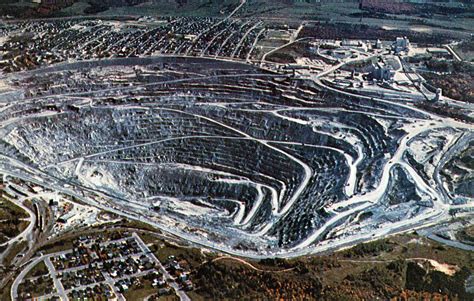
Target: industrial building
x=383, y=72
x=402, y=44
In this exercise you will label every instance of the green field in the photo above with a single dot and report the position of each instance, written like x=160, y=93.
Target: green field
x=11, y=223
x=14, y=251
x=38, y=270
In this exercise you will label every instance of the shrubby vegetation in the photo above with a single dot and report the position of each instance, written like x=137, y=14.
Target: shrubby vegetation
x=220, y=280
x=379, y=270
x=373, y=248
x=456, y=79
x=418, y=279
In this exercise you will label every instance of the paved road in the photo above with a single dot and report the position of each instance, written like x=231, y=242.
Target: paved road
x=264, y=57
x=16, y=282
x=451, y=243
x=108, y=280
x=46, y=258
x=81, y=267
x=198, y=240
x=455, y=55
x=453, y=150
x=182, y=295
x=254, y=44
x=25, y=270
x=25, y=234
x=232, y=13
x=111, y=283
x=243, y=38
x=57, y=283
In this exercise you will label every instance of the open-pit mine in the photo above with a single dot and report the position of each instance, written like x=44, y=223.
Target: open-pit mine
x=200, y=134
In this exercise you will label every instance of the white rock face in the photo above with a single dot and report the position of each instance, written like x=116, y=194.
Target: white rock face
x=233, y=158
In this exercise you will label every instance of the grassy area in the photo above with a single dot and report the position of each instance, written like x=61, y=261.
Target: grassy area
x=377, y=269
x=372, y=249
x=5, y=291
x=172, y=298
x=408, y=246
x=382, y=269
x=64, y=244
x=141, y=292
x=149, y=238
x=466, y=235
x=10, y=220
x=470, y=231
x=290, y=54
x=66, y=241
x=193, y=256
x=38, y=270
x=144, y=290
x=14, y=251
x=137, y=225
x=9, y=210
x=11, y=228
x=195, y=297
